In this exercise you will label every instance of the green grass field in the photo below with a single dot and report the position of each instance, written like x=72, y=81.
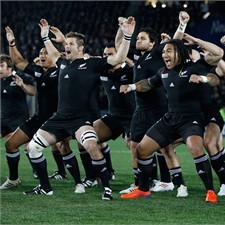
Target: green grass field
x=66, y=207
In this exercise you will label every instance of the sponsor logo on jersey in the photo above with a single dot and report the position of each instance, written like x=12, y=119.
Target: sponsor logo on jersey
x=37, y=74
x=67, y=76
x=113, y=88
x=4, y=91
x=195, y=122
x=104, y=78
x=43, y=84
x=82, y=66
x=213, y=119
x=164, y=75
x=62, y=66
x=171, y=85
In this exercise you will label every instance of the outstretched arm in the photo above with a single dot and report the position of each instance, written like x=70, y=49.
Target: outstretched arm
x=120, y=56
x=211, y=79
x=15, y=55
x=51, y=49
x=141, y=86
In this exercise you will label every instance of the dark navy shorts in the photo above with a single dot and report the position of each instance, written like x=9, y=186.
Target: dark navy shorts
x=176, y=125
x=142, y=120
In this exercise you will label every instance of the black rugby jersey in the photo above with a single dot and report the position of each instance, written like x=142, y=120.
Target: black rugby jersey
x=119, y=104
x=147, y=66
x=13, y=98
x=183, y=96
x=76, y=82
x=47, y=88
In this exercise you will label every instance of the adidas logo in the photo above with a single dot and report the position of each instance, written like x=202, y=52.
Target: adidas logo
x=195, y=122
x=138, y=67
x=67, y=76
x=43, y=85
x=113, y=88
x=221, y=169
x=213, y=119
x=171, y=85
x=68, y=166
x=201, y=172
x=4, y=91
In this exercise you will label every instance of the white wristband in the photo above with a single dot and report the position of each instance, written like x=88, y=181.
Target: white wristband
x=182, y=27
x=132, y=87
x=204, y=79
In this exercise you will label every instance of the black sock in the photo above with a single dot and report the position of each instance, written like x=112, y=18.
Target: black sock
x=40, y=165
x=136, y=176
x=27, y=154
x=87, y=164
x=145, y=169
x=106, y=153
x=71, y=164
x=59, y=161
x=13, y=159
x=101, y=171
x=176, y=173
x=164, y=170
x=203, y=168
x=219, y=166
x=154, y=175
x=223, y=154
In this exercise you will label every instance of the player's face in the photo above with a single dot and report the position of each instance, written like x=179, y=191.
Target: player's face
x=44, y=59
x=143, y=43
x=170, y=56
x=5, y=71
x=109, y=51
x=72, y=50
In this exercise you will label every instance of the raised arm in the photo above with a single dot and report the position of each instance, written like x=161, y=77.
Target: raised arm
x=119, y=34
x=183, y=18
x=15, y=55
x=212, y=53
x=51, y=49
x=120, y=56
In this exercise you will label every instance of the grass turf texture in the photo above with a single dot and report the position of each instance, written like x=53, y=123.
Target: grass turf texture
x=66, y=207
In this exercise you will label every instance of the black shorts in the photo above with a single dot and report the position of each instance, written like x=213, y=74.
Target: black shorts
x=118, y=125
x=213, y=116
x=64, y=126
x=175, y=125
x=142, y=120
x=30, y=126
x=11, y=124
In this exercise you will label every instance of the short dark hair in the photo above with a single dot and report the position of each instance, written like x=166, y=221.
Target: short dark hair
x=152, y=34
x=110, y=45
x=7, y=59
x=81, y=39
